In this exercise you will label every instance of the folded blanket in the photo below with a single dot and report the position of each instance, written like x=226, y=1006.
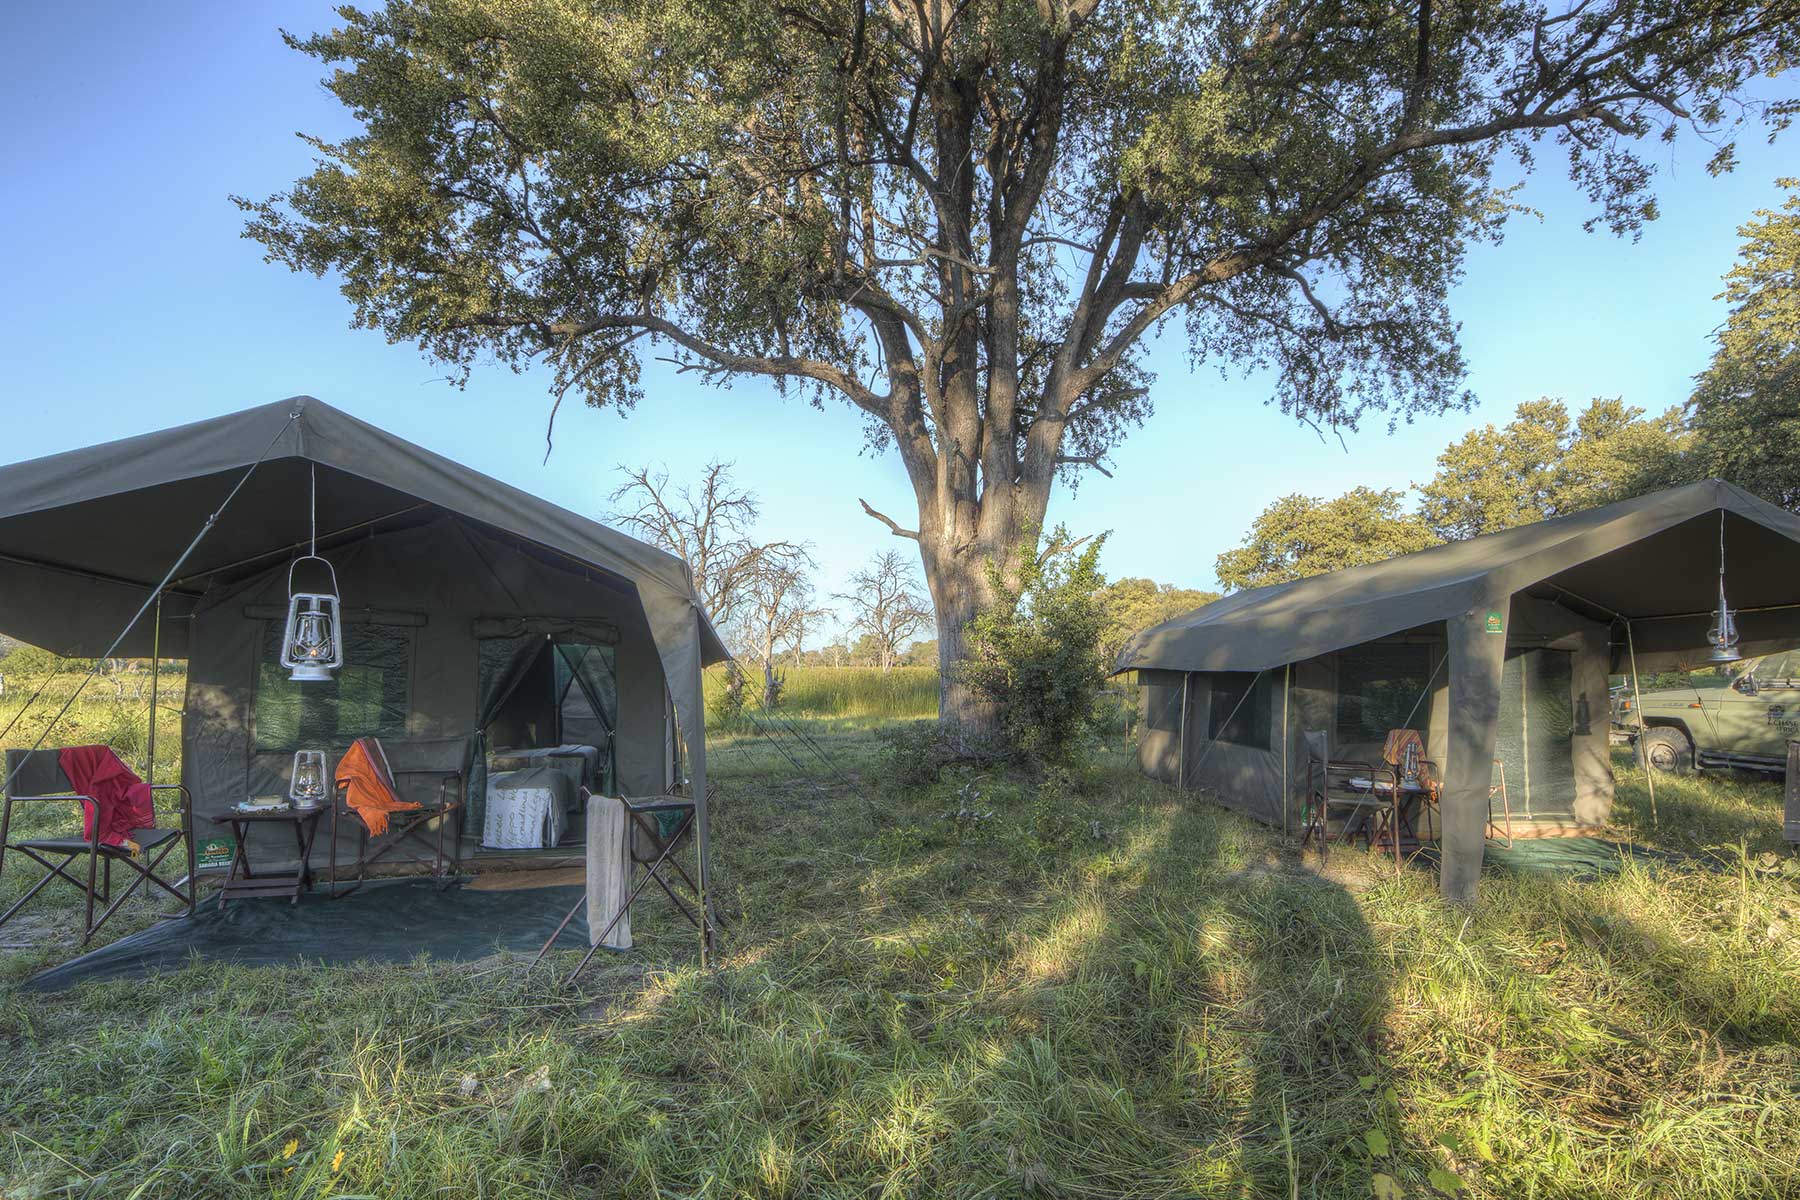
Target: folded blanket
x=363, y=772
x=121, y=798
x=608, y=871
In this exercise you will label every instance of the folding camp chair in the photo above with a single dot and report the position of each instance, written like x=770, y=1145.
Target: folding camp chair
x=37, y=775
x=656, y=828
x=1418, y=785
x=1498, y=788
x=1358, y=795
x=428, y=771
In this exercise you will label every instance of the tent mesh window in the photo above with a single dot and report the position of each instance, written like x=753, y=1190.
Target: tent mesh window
x=588, y=701
x=1162, y=701
x=366, y=698
x=1380, y=688
x=1535, y=734
x=1242, y=708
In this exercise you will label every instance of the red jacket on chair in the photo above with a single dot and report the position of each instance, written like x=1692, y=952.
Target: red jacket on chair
x=122, y=798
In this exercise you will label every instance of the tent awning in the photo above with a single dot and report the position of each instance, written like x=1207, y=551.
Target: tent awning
x=1652, y=560
x=86, y=534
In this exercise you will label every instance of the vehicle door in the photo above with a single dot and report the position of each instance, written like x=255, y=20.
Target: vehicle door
x=1764, y=706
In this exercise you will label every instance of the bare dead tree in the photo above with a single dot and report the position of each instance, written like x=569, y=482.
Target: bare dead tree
x=709, y=527
x=776, y=609
x=805, y=623
x=886, y=606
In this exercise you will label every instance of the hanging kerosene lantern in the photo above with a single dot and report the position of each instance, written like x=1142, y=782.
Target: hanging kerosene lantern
x=312, y=646
x=1722, y=635
x=312, y=642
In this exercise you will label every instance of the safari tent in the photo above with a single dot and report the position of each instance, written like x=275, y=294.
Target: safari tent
x=473, y=612
x=1498, y=647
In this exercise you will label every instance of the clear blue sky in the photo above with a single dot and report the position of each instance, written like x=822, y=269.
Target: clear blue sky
x=131, y=303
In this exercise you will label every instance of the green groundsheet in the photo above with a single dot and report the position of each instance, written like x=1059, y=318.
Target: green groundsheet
x=393, y=921
x=1576, y=857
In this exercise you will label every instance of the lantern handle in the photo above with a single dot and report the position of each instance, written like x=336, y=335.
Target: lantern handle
x=315, y=558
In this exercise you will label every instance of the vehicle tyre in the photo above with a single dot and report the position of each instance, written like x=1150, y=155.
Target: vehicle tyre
x=1666, y=749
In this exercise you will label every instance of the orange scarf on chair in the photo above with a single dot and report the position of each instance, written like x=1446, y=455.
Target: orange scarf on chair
x=363, y=772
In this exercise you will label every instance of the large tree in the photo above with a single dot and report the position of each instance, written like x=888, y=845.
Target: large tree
x=1132, y=605
x=1543, y=463
x=963, y=217
x=1297, y=536
x=1746, y=406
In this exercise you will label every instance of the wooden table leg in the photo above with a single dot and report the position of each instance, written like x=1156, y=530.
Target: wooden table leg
x=240, y=861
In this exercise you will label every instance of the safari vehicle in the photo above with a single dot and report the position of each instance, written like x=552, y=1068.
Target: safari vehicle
x=1744, y=718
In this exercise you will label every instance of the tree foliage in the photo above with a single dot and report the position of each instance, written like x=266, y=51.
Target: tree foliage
x=964, y=218
x=1132, y=605
x=1544, y=464
x=1746, y=406
x=1036, y=653
x=1297, y=536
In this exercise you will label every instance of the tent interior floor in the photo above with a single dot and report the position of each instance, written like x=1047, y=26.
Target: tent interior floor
x=391, y=921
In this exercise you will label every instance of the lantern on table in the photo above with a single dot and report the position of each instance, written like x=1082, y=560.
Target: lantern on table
x=1722, y=636
x=308, y=785
x=312, y=644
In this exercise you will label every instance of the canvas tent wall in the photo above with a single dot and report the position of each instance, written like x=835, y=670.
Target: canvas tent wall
x=1519, y=625
x=440, y=568
x=1244, y=739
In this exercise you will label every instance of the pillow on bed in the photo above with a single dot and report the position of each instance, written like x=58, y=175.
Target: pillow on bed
x=507, y=762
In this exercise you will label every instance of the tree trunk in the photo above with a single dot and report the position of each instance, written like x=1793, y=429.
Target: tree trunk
x=770, y=699
x=959, y=591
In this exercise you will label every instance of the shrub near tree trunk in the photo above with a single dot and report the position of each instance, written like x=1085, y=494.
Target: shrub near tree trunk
x=1035, y=653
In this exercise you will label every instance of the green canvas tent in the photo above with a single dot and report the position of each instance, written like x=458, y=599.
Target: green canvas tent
x=472, y=609
x=1495, y=647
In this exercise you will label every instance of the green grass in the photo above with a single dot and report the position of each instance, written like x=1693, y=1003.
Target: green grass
x=901, y=694
x=1094, y=988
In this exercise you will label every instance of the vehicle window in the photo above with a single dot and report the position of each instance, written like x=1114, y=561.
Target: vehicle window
x=1779, y=672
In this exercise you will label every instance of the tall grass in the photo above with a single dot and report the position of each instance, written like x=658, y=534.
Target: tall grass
x=900, y=694
x=113, y=709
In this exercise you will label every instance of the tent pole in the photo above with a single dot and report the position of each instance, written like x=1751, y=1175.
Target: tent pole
x=1525, y=730
x=155, y=678
x=1637, y=701
x=1187, y=680
x=1287, y=799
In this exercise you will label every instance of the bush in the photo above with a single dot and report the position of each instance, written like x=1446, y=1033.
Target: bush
x=729, y=701
x=1036, y=652
x=33, y=662
x=917, y=753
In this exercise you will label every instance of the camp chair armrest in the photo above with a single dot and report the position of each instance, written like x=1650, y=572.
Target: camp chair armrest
x=181, y=789
x=93, y=838
x=53, y=796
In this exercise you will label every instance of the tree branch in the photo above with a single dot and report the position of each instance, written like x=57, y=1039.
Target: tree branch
x=1083, y=460
x=893, y=525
